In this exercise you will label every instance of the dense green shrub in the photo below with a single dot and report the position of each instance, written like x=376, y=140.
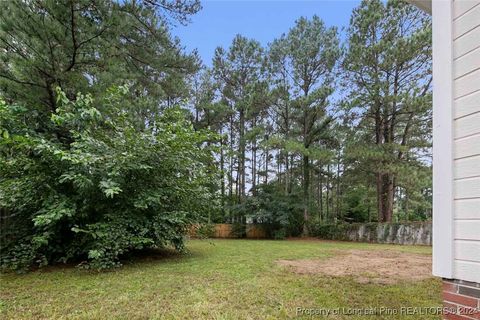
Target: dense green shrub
x=205, y=231
x=279, y=234
x=280, y=214
x=93, y=186
x=329, y=231
x=239, y=230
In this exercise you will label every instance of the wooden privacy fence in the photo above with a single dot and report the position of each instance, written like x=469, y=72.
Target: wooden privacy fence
x=256, y=231
x=223, y=230
x=226, y=231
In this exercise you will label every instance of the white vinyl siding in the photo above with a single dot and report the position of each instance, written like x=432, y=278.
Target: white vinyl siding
x=468, y=125
x=466, y=85
x=467, y=250
x=466, y=43
x=467, y=167
x=460, y=7
x=467, y=147
x=467, y=209
x=467, y=21
x=467, y=188
x=467, y=230
x=467, y=105
x=466, y=131
x=467, y=63
x=466, y=270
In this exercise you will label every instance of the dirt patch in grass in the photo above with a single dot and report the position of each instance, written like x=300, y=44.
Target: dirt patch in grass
x=380, y=267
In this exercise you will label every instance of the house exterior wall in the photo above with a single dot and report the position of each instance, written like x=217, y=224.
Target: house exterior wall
x=443, y=141
x=456, y=147
x=461, y=300
x=466, y=139
x=456, y=153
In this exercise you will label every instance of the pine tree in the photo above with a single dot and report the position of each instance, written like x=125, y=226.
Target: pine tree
x=388, y=66
x=306, y=56
x=239, y=72
x=88, y=46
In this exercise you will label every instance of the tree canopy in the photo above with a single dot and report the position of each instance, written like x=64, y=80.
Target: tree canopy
x=114, y=138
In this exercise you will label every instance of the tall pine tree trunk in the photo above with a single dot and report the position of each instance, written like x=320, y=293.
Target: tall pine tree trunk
x=222, y=173
x=265, y=180
x=380, y=206
x=320, y=186
x=385, y=196
x=328, y=195
x=230, y=173
x=254, y=159
x=287, y=174
x=390, y=194
x=306, y=193
x=337, y=193
x=241, y=164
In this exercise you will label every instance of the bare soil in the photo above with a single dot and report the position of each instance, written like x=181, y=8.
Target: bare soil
x=380, y=267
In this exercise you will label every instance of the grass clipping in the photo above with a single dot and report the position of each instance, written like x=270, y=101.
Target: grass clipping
x=380, y=267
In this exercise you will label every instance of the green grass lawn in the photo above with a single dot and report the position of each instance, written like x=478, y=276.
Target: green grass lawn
x=218, y=279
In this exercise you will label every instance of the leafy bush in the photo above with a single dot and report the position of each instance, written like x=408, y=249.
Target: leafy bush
x=279, y=234
x=92, y=186
x=329, y=231
x=239, y=230
x=205, y=231
x=280, y=214
x=340, y=231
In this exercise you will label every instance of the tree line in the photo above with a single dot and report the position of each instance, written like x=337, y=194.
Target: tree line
x=341, y=125
x=113, y=138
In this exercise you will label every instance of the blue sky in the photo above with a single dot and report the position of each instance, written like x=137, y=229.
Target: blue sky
x=220, y=20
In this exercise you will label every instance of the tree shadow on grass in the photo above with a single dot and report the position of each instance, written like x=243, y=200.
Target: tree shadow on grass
x=129, y=260
x=146, y=256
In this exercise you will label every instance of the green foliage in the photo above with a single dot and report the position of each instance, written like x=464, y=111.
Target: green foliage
x=281, y=215
x=358, y=204
x=89, y=177
x=279, y=234
x=388, y=75
x=239, y=230
x=240, y=76
x=328, y=231
x=308, y=55
x=205, y=231
x=96, y=188
x=362, y=157
x=91, y=45
x=340, y=231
